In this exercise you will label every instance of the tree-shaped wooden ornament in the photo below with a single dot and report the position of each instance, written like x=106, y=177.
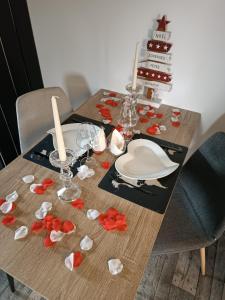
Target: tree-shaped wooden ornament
x=155, y=68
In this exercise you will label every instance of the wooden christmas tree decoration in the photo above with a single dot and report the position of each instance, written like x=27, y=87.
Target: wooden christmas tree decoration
x=155, y=68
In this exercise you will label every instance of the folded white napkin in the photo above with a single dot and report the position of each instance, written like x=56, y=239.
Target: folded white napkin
x=117, y=143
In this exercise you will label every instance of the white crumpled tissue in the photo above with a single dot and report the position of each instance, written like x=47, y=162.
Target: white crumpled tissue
x=43, y=210
x=92, y=214
x=117, y=143
x=21, y=233
x=86, y=243
x=85, y=172
x=115, y=266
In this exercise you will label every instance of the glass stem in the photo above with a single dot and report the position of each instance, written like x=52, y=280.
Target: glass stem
x=87, y=154
x=65, y=176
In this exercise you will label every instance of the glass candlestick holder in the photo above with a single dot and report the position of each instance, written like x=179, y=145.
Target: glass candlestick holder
x=128, y=115
x=69, y=190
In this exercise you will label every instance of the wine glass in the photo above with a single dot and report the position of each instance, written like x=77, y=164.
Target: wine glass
x=87, y=139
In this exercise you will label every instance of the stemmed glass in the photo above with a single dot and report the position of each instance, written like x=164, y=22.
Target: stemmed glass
x=87, y=139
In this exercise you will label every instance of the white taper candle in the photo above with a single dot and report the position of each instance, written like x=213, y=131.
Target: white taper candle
x=134, y=82
x=58, y=130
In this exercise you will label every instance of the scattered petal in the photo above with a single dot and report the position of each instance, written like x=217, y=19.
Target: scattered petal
x=162, y=128
x=106, y=121
x=48, y=182
x=41, y=213
x=39, y=190
x=56, y=224
x=86, y=243
x=176, y=124
x=105, y=165
x=68, y=227
x=115, y=266
x=159, y=116
x=46, y=206
x=2, y=201
x=99, y=105
x=12, y=197
x=144, y=120
x=37, y=227
x=8, y=220
x=112, y=219
x=69, y=261
x=33, y=186
x=21, y=233
x=92, y=214
x=78, y=203
x=56, y=236
x=28, y=178
x=6, y=207
x=77, y=259
x=47, y=242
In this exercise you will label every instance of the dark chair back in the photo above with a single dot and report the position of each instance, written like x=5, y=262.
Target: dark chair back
x=203, y=180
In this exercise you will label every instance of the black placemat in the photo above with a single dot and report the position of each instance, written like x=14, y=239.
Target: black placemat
x=47, y=144
x=159, y=197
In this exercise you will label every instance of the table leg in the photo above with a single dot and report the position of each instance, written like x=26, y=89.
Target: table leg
x=11, y=282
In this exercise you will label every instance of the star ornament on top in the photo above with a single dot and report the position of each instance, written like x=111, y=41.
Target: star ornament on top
x=162, y=23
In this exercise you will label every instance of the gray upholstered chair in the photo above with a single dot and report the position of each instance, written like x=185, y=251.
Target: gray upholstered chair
x=195, y=217
x=34, y=114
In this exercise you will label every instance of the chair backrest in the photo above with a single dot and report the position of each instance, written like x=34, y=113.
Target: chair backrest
x=34, y=114
x=203, y=179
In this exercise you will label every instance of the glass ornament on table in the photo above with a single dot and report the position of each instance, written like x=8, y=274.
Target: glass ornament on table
x=128, y=118
x=69, y=190
x=86, y=139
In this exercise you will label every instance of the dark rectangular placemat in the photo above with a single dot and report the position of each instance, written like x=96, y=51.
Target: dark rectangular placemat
x=47, y=144
x=159, y=197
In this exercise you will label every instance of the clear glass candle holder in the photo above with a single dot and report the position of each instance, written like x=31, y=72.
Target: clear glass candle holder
x=128, y=115
x=69, y=190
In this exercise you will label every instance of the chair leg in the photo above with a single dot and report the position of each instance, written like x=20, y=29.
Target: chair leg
x=202, y=255
x=11, y=283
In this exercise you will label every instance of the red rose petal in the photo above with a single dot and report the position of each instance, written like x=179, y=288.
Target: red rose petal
x=176, y=124
x=47, y=182
x=48, y=218
x=37, y=227
x=39, y=190
x=176, y=113
x=77, y=259
x=159, y=116
x=78, y=203
x=112, y=94
x=13, y=207
x=67, y=226
x=105, y=165
x=99, y=105
x=112, y=212
x=152, y=130
x=150, y=114
x=144, y=120
x=119, y=128
x=139, y=108
x=56, y=224
x=47, y=242
x=8, y=220
x=2, y=201
x=112, y=219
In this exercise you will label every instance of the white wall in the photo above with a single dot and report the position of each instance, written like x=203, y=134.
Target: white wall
x=85, y=45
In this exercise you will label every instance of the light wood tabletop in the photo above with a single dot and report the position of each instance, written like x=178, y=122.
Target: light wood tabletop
x=43, y=269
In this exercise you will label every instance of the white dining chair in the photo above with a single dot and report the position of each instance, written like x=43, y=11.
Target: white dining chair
x=34, y=114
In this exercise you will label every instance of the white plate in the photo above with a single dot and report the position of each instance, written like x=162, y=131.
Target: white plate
x=70, y=132
x=144, y=160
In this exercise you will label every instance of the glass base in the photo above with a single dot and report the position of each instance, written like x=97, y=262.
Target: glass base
x=90, y=161
x=69, y=194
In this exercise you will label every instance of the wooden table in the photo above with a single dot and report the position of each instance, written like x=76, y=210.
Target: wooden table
x=43, y=269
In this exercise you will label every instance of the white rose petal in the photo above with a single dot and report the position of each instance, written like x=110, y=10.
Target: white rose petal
x=33, y=186
x=86, y=243
x=6, y=207
x=28, y=178
x=92, y=214
x=115, y=266
x=46, y=206
x=21, y=233
x=56, y=236
x=69, y=261
x=12, y=197
x=41, y=213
